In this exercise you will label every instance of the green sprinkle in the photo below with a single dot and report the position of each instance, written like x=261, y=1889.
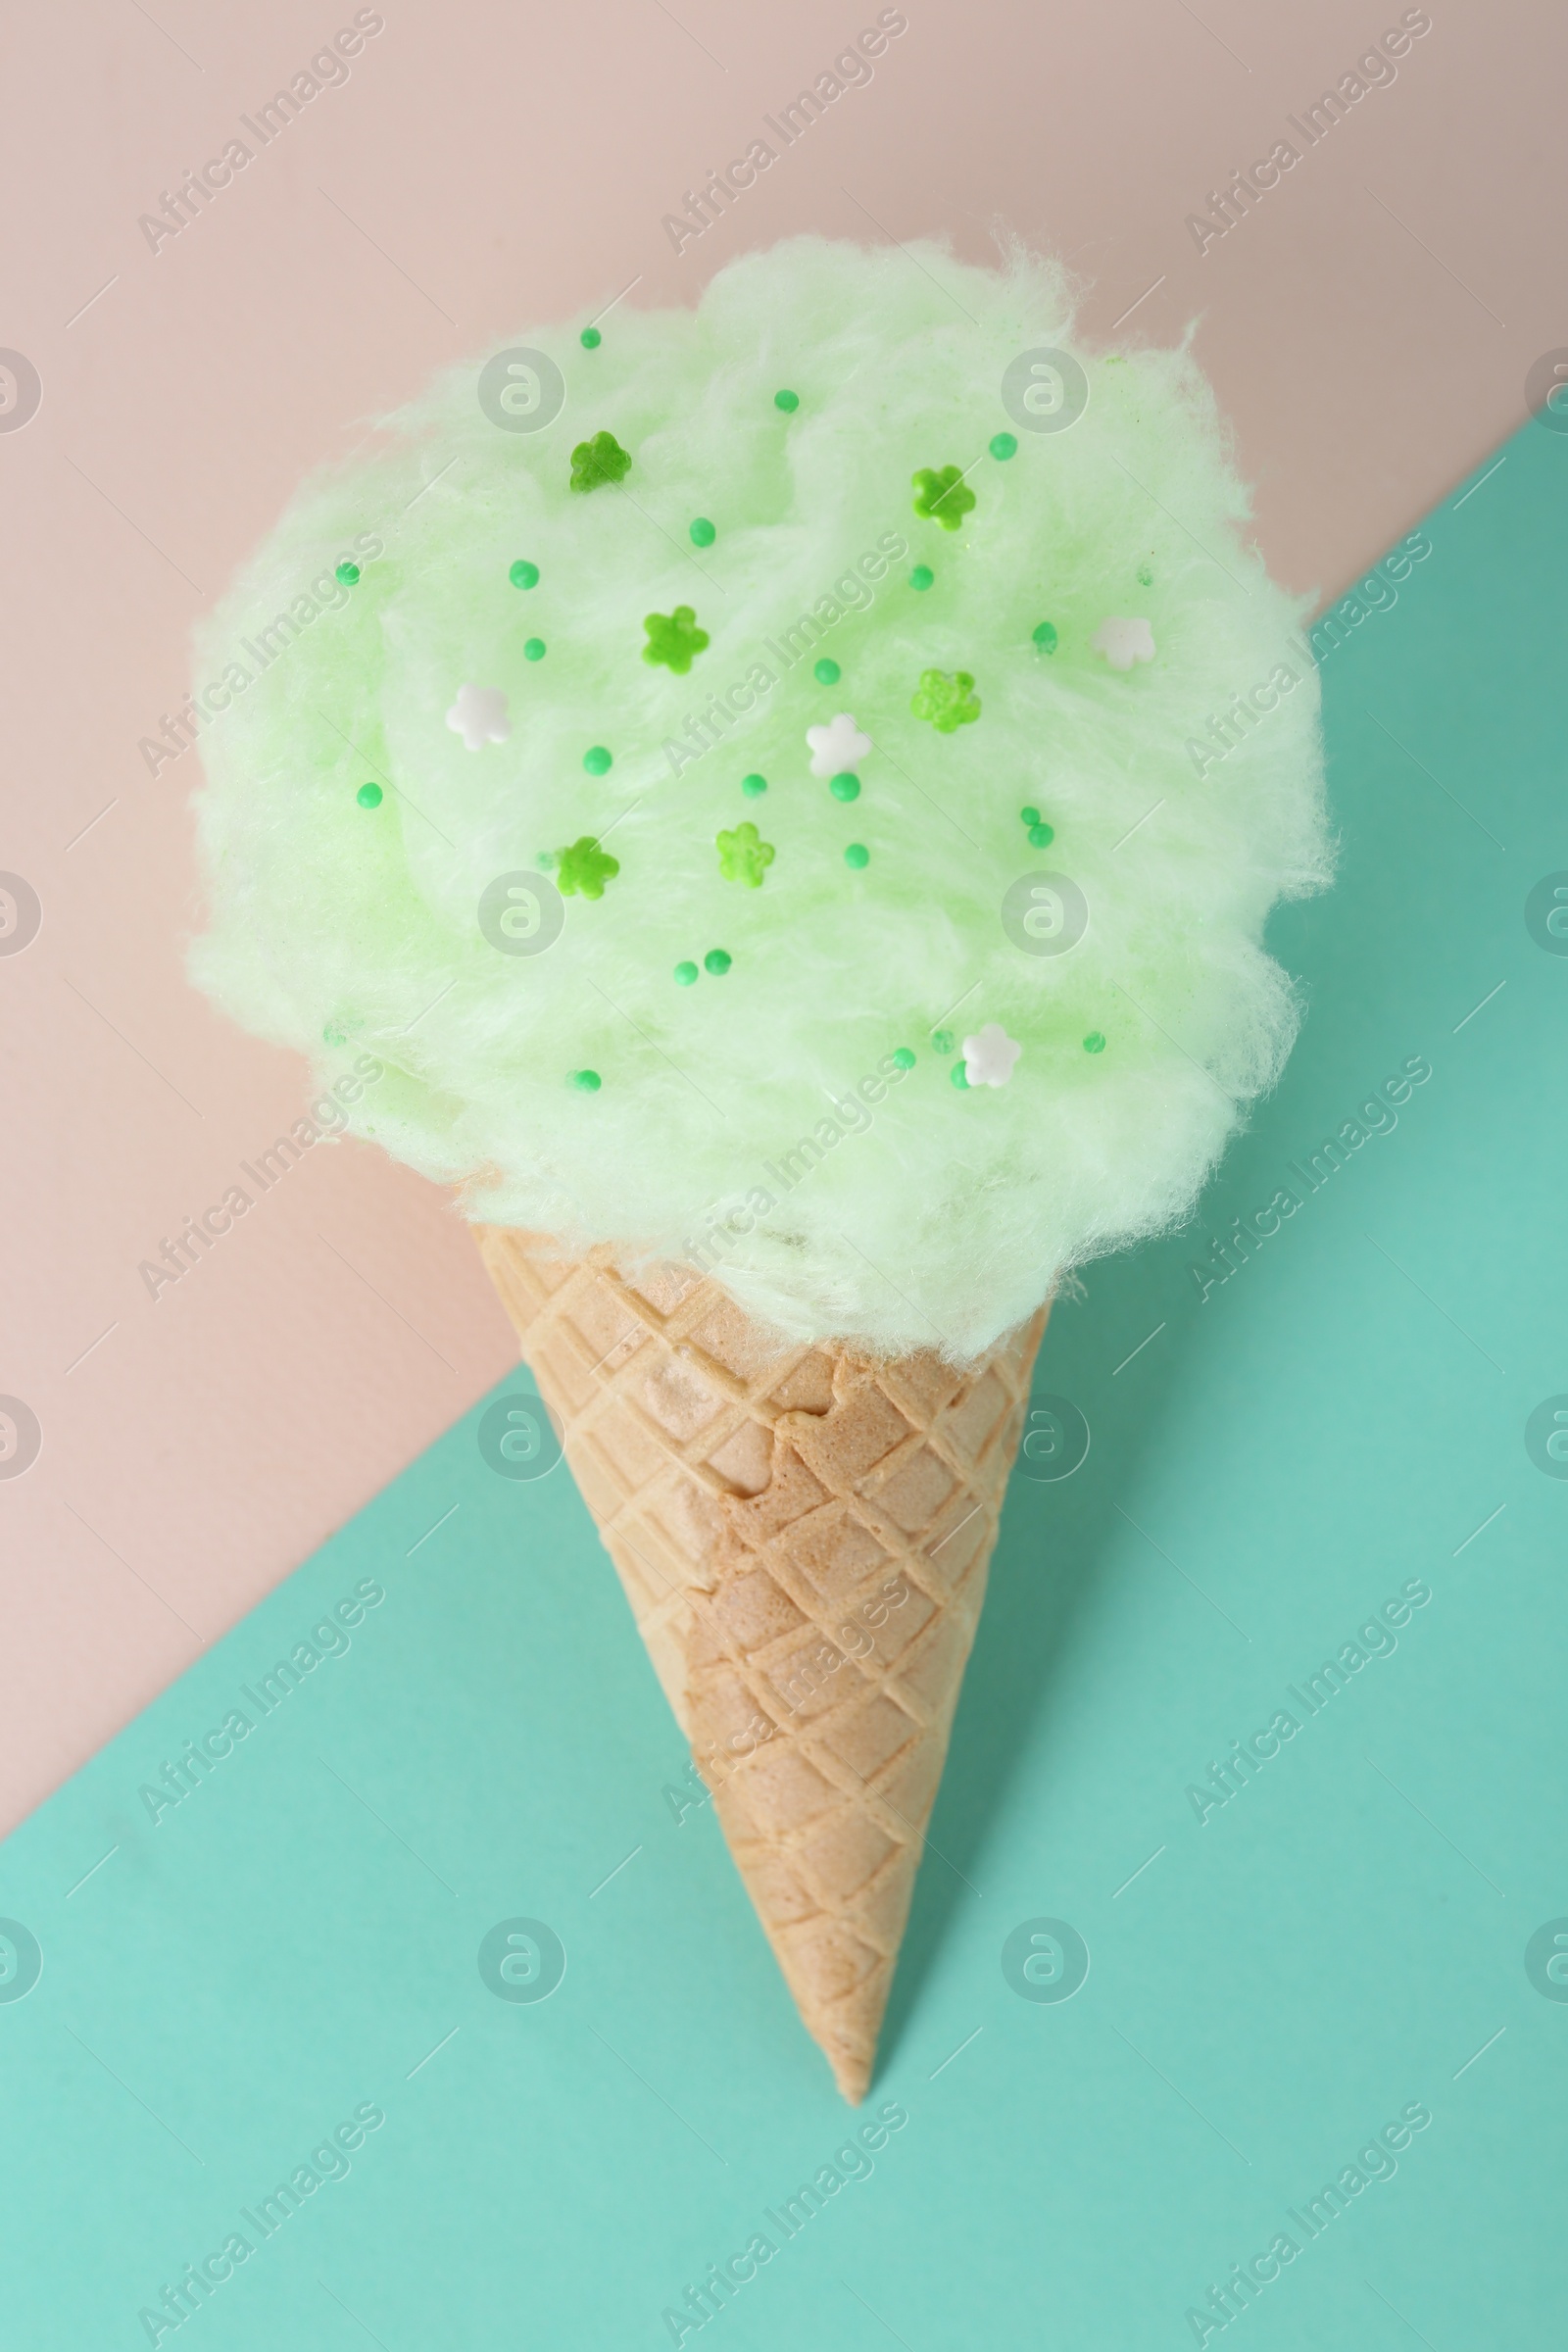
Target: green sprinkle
x=674, y=638
x=546, y=861
x=717, y=962
x=826, y=673
x=959, y=1075
x=349, y=574
x=534, y=650
x=903, y=1058
x=1045, y=637
x=857, y=854
x=368, y=796
x=754, y=786
x=844, y=787
x=947, y=702
x=1042, y=835
x=597, y=761
x=587, y=1081
x=601, y=460
x=523, y=574
x=1003, y=447
x=789, y=402
x=1094, y=1043
x=586, y=867
x=1029, y=816
x=922, y=577
x=590, y=338
x=942, y=1041
x=942, y=495
x=686, y=975
x=1145, y=578
x=743, y=855
x=333, y=1035
x=701, y=531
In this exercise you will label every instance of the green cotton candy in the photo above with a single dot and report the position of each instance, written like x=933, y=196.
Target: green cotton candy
x=772, y=1127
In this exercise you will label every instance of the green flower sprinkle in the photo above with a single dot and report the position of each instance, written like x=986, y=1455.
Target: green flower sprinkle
x=368, y=796
x=922, y=577
x=590, y=338
x=942, y=496
x=686, y=974
x=587, y=1081
x=674, y=639
x=857, y=854
x=826, y=673
x=903, y=1058
x=1094, y=1043
x=788, y=401
x=717, y=962
x=1045, y=637
x=754, y=786
x=349, y=574
x=523, y=574
x=942, y=1041
x=743, y=855
x=844, y=787
x=533, y=649
x=1003, y=447
x=959, y=1076
x=947, y=702
x=597, y=761
x=601, y=460
x=585, y=868
x=700, y=531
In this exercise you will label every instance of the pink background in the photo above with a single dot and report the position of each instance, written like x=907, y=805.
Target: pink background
x=484, y=169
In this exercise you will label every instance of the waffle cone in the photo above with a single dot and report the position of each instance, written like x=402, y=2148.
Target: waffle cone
x=804, y=1535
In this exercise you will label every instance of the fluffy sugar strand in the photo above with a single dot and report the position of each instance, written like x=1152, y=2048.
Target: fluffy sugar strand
x=763, y=1115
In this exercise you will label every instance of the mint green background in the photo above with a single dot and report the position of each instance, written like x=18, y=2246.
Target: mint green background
x=1269, y=1991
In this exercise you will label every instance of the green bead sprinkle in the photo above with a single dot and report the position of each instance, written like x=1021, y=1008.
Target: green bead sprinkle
x=857, y=854
x=597, y=761
x=1145, y=578
x=922, y=577
x=844, y=787
x=903, y=1058
x=587, y=1081
x=523, y=574
x=701, y=531
x=959, y=1075
x=545, y=860
x=349, y=574
x=590, y=338
x=1029, y=816
x=1094, y=1043
x=534, y=650
x=1045, y=637
x=717, y=962
x=686, y=974
x=826, y=673
x=789, y=402
x=1042, y=835
x=368, y=796
x=1003, y=447
x=942, y=1041
x=754, y=786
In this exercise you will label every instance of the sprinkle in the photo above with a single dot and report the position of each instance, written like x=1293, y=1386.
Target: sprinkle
x=788, y=401
x=368, y=796
x=1094, y=1043
x=1123, y=641
x=1029, y=816
x=989, y=1055
x=590, y=338
x=743, y=855
x=943, y=1041
x=947, y=702
x=1003, y=447
x=922, y=577
x=545, y=860
x=1040, y=836
x=844, y=787
x=959, y=1076
x=601, y=460
x=903, y=1058
x=479, y=716
x=597, y=761
x=1045, y=637
x=1145, y=577
x=686, y=975
x=826, y=673
x=717, y=962
x=523, y=574
x=754, y=786
x=857, y=854
x=586, y=867
x=702, y=532
x=836, y=746
x=333, y=1035
x=587, y=1081
x=533, y=649
x=674, y=638
x=942, y=496
x=349, y=574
